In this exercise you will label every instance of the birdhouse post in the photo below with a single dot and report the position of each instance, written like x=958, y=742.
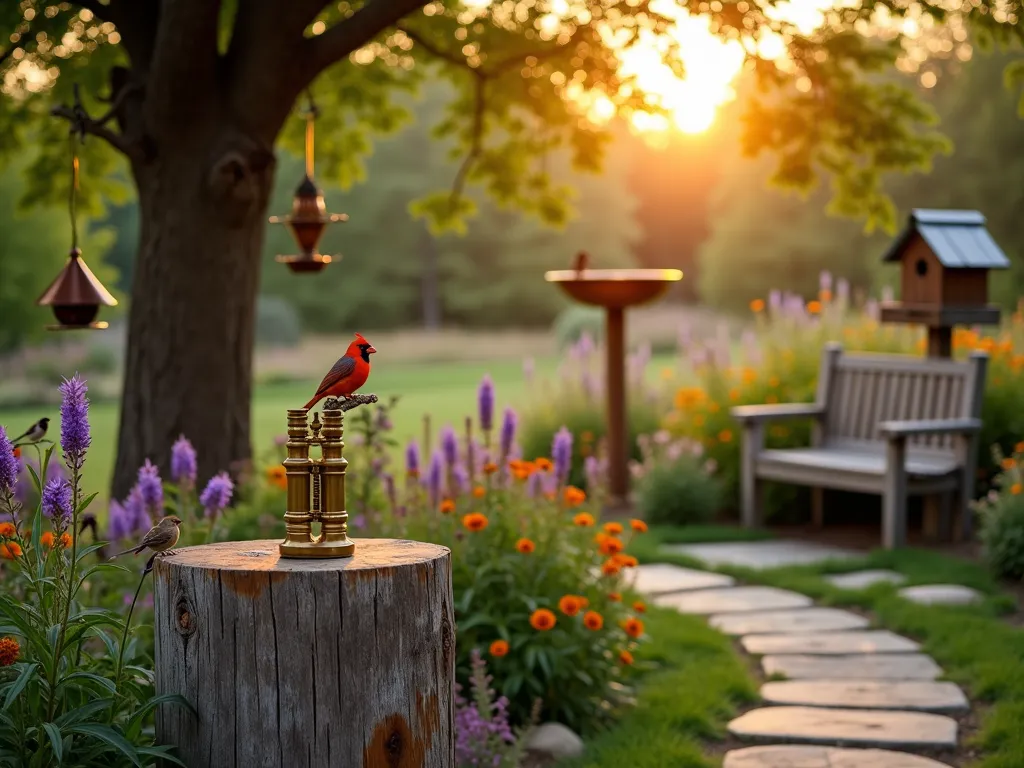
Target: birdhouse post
x=945, y=258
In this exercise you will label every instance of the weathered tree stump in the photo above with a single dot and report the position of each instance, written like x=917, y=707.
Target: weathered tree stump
x=339, y=663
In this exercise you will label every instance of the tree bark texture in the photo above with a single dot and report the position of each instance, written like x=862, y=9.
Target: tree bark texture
x=188, y=367
x=336, y=663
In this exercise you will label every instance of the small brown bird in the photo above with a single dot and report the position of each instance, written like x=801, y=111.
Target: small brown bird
x=161, y=537
x=581, y=262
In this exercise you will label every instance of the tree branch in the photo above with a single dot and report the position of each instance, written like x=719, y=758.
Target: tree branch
x=345, y=404
x=79, y=119
x=476, y=139
x=357, y=30
x=433, y=50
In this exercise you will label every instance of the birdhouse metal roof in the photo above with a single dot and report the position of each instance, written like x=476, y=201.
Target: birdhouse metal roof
x=958, y=239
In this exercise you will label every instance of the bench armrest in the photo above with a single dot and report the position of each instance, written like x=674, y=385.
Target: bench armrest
x=759, y=414
x=891, y=429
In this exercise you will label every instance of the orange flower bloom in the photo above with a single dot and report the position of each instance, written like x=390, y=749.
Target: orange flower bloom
x=9, y=651
x=447, y=506
x=757, y=305
x=583, y=519
x=525, y=546
x=613, y=528
x=17, y=451
x=499, y=648
x=814, y=307
x=7, y=530
x=825, y=296
x=610, y=568
x=609, y=545
x=10, y=550
x=1016, y=488
x=1019, y=448
x=638, y=525
x=542, y=620
x=65, y=540
x=639, y=607
x=633, y=626
x=542, y=464
x=569, y=605
x=46, y=539
x=1008, y=462
x=490, y=468
x=521, y=470
x=277, y=476
x=725, y=436
x=615, y=597
x=474, y=521
x=625, y=561
x=593, y=620
x=626, y=657
x=574, y=496
x=583, y=601
x=479, y=492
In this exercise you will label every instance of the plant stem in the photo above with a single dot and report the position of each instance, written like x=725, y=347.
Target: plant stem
x=76, y=476
x=124, y=633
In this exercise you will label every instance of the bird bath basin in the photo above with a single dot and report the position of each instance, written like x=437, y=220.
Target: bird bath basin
x=615, y=290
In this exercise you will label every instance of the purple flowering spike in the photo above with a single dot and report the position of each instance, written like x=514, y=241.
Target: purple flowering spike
x=825, y=280
x=9, y=465
x=450, y=446
x=412, y=458
x=150, y=486
x=592, y=471
x=843, y=290
x=434, y=473
x=183, y=462
x=56, y=501
x=136, y=511
x=485, y=401
x=535, y=485
x=461, y=477
x=561, y=454
x=119, y=522
x=775, y=302
x=74, y=421
x=389, y=489
x=508, y=432
x=217, y=494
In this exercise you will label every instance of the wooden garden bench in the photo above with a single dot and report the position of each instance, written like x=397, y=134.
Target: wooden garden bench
x=883, y=424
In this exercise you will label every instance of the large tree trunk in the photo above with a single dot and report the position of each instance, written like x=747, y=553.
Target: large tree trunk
x=202, y=201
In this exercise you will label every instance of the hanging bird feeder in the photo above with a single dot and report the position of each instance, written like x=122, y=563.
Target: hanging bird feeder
x=309, y=217
x=76, y=294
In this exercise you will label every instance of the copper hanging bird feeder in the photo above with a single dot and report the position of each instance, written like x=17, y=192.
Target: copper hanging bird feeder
x=76, y=294
x=309, y=217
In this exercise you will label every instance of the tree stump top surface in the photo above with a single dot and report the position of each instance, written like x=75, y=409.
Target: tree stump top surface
x=264, y=555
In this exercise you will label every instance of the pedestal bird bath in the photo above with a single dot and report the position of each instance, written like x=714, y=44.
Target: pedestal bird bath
x=615, y=290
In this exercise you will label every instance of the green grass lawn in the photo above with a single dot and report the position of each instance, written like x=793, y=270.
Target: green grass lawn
x=696, y=683
x=975, y=645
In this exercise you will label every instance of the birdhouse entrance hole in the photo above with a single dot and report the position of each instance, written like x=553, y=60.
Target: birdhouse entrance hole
x=921, y=267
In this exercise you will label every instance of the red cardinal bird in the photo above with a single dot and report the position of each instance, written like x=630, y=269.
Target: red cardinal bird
x=348, y=374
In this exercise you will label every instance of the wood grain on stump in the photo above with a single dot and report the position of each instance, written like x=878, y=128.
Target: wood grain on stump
x=339, y=663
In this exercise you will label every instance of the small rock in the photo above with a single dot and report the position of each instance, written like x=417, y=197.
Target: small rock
x=865, y=579
x=554, y=740
x=941, y=594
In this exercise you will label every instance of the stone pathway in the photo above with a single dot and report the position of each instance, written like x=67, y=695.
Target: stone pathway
x=850, y=695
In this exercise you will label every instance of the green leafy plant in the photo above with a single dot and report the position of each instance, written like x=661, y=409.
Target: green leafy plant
x=675, y=482
x=1002, y=517
x=75, y=689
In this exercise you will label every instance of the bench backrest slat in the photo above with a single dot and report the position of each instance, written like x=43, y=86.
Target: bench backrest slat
x=861, y=391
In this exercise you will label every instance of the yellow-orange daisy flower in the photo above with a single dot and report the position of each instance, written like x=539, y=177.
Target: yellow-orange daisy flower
x=479, y=492
x=9, y=651
x=625, y=657
x=609, y=545
x=277, y=476
x=1008, y=462
x=583, y=519
x=10, y=550
x=542, y=620
x=574, y=496
x=569, y=605
x=757, y=305
x=525, y=546
x=499, y=648
x=593, y=620
x=610, y=568
x=615, y=597
x=639, y=607
x=542, y=464
x=613, y=528
x=46, y=539
x=638, y=525
x=65, y=540
x=474, y=521
x=1016, y=488
x=490, y=468
x=633, y=626
x=447, y=507
x=7, y=530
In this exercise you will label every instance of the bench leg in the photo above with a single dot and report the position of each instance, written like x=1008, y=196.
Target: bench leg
x=946, y=517
x=894, y=497
x=818, y=507
x=751, y=489
x=931, y=512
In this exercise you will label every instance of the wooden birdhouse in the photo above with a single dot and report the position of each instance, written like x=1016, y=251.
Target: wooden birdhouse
x=945, y=258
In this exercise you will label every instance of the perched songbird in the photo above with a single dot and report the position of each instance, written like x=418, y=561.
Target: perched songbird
x=34, y=434
x=348, y=374
x=581, y=262
x=161, y=537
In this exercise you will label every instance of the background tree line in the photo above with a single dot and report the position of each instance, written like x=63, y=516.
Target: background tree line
x=692, y=202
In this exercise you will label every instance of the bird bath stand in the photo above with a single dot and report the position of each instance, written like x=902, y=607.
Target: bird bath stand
x=615, y=290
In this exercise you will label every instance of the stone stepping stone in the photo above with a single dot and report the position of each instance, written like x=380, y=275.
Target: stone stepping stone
x=864, y=579
x=830, y=643
x=662, y=578
x=762, y=554
x=860, y=666
x=770, y=622
x=789, y=756
x=733, y=599
x=922, y=695
x=941, y=594
x=846, y=727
